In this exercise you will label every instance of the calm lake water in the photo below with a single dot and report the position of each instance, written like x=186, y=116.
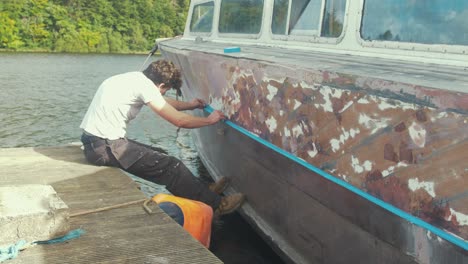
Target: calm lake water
x=44, y=98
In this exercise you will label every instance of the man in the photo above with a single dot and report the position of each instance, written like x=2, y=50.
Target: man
x=117, y=101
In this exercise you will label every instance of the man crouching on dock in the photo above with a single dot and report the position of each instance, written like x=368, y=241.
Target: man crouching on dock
x=118, y=100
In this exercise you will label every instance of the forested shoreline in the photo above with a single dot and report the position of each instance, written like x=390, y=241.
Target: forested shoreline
x=89, y=26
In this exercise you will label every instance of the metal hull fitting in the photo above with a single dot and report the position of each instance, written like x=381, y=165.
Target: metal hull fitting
x=396, y=138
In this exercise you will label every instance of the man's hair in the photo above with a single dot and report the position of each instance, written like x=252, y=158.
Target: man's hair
x=164, y=71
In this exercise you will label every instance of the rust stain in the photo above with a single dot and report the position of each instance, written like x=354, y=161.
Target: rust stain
x=406, y=154
x=400, y=127
x=418, y=203
x=337, y=106
x=421, y=116
x=389, y=129
x=389, y=153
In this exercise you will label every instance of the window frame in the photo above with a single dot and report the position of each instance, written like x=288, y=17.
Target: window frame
x=406, y=46
x=189, y=19
x=313, y=39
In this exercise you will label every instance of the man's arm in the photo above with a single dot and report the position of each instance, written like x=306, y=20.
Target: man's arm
x=181, y=119
x=182, y=105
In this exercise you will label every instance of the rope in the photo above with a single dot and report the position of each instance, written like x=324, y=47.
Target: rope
x=108, y=208
x=12, y=251
x=69, y=236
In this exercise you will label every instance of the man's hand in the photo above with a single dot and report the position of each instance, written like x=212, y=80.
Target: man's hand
x=198, y=103
x=216, y=116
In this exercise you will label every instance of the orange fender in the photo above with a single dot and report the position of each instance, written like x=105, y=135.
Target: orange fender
x=197, y=216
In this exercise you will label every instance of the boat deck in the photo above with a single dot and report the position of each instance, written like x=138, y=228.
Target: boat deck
x=122, y=235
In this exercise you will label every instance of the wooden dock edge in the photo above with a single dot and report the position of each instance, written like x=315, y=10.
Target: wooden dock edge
x=122, y=235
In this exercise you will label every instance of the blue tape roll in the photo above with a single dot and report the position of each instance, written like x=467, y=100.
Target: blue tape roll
x=232, y=49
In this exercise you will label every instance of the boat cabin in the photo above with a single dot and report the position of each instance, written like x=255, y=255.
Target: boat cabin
x=429, y=31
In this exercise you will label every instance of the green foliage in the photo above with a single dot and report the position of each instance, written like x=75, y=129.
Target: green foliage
x=89, y=25
x=9, y=32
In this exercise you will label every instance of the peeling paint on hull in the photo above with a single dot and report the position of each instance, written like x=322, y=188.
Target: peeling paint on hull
x=404, y=144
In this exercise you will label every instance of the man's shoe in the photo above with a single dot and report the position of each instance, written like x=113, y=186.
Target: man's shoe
x=230, y=204
x=219, y=186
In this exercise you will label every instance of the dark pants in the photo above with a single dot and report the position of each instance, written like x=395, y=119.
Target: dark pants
x=150, y=164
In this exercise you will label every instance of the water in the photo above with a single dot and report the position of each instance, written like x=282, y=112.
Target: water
x=45, y=96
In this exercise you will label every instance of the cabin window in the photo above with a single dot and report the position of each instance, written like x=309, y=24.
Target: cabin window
x=333, y=18
x=427, y=22
x=202, y=17
x=241, y=16
x=318, y=18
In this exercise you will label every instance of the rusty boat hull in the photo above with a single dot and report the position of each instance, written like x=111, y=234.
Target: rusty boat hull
x=387, y=138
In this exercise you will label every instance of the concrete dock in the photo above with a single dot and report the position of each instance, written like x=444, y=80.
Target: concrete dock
x=122, y=235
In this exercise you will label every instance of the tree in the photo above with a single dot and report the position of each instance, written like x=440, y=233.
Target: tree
x=89, y=25
x=9, y=32
x=387, y=35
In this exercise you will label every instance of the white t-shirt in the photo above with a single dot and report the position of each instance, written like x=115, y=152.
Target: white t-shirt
x=117, y=101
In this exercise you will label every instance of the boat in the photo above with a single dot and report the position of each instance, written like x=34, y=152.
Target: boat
x=347, y=122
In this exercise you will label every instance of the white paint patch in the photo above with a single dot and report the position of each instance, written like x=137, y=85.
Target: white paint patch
x=374, y=124
x=391, y=169
x=350, y=103
x=402, y=164
x=353, y=132
x=236, y=100
x=272, y=91
x=429, y=234
x=414, y=185
x=388, y=171
x=384, y=105
x=417, y=134
x=305, y=85
x=297, y=131
x=363, y=101
x=360, y=168
x=271, y=124
x=280, y=80
x=297, y=104
x=327, y=106
x=281, y=112
x=287, y=132
x=440, y=116
x=312, y=153
x=462, y=219
x=337, y=93
x=217, y=103
x=335, y=143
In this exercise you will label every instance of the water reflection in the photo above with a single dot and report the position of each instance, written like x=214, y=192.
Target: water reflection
x=429, y=22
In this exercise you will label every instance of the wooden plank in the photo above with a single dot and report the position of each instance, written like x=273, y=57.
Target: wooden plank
x=122, y=235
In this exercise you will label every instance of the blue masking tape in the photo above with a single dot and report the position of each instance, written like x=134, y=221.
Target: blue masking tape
x=232, y=49
x=409, y=217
